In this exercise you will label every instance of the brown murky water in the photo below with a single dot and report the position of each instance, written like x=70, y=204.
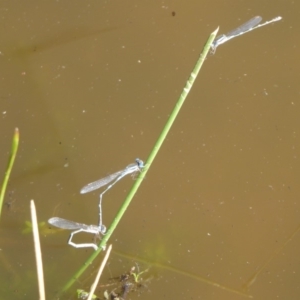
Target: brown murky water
x=90, y=86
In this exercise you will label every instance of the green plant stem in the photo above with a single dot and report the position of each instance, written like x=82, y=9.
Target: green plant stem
x=11, y=160
x=151, y=157
x=181, y=99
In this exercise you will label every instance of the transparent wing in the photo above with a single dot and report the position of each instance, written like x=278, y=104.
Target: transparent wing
x=100, y=183
x=244, y=27
x=65, y=224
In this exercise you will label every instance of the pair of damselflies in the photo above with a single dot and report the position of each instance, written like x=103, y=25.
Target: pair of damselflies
x=244, y=28
x=100, y=228
x=138, y=166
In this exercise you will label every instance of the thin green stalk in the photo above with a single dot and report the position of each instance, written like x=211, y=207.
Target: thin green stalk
x=182, y=98
x=12, y=157
x=151, y=157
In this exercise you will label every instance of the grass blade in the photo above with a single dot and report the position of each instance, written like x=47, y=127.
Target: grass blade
x=12, y=157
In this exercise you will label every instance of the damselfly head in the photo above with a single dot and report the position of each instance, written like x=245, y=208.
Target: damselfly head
x=140, y=163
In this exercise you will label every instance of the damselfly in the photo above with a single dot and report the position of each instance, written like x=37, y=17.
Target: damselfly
x=78, y=227
x=115, y=177
x=246, y=27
